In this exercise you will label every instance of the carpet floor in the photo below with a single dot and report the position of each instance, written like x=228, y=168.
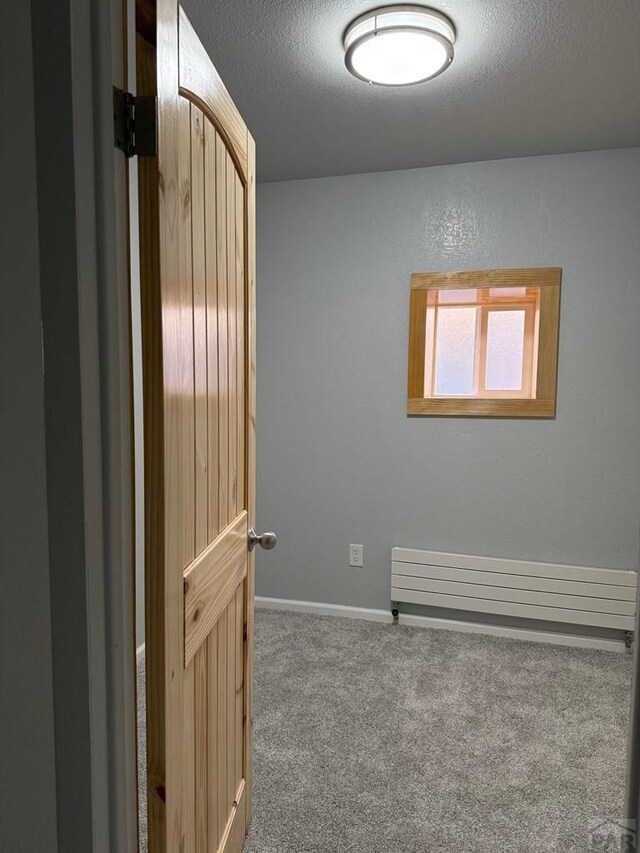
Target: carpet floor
x=370, y=738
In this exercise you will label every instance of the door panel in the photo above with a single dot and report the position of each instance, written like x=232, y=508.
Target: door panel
x=200, y=342
x=210, y=582
x=197, y=235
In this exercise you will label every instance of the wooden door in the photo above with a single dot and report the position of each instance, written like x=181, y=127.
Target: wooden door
x=198, y=291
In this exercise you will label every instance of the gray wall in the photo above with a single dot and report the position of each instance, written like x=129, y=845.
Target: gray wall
x=27, y=766
x=60, y=764
x=66, y=291
x=338, y=459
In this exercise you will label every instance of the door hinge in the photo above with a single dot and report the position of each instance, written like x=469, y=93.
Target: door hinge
x=135, y=123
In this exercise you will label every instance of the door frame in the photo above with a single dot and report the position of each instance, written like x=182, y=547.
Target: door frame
x=87, y=351
x=122, y=360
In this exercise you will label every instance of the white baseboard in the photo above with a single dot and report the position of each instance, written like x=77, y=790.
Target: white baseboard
x=371, y=615
x=323, y=609
x=529, y=634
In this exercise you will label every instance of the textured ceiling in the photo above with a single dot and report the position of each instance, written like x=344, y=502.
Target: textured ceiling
x=529, y=77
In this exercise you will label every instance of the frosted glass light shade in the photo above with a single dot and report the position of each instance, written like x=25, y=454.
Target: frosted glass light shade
x=399, y=45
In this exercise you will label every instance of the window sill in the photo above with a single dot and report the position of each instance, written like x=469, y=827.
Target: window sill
x=496, y=408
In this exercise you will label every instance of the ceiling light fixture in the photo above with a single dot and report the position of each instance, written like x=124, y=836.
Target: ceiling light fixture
x=399, y=45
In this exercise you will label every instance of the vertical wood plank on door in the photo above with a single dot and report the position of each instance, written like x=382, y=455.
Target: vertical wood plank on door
x=215, y=830
x=221, y=785
x=182, y=404
x=183, y=400
x=250, y=420
x=200, y=664
x=239, y=687
x=198, y=243
x=231, y=703
x=223, y=342
x=189, y=762
x=241, y=358
x=232, y=337
x=212, y=325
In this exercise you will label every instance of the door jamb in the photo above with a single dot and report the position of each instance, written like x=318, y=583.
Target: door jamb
x=98, y=42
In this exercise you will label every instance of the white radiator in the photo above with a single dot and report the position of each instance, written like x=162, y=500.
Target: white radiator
x=576, y=595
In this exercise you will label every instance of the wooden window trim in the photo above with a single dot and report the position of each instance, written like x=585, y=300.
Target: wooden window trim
x=544, y=352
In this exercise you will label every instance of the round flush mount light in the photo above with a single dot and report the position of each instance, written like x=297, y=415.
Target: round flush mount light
x=399, y=45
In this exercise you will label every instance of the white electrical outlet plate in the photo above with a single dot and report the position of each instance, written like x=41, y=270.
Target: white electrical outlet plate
x=356, y=555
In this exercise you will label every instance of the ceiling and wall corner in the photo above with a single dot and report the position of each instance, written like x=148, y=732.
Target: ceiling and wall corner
x=528, y=78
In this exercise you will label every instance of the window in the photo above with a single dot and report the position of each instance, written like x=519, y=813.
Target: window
x=480, y=342
x=484, y=343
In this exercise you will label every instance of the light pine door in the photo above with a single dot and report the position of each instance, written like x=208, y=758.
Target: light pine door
x=198, y=289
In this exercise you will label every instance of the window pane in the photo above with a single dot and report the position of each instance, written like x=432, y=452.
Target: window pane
x=505, y=350
x=503, y=292
x=455, y=351
x=461, y=295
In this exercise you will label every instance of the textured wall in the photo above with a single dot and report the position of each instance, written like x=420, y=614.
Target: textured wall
x=338, y=459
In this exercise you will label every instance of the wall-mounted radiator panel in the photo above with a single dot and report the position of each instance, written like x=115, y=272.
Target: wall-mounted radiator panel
x=576, y=595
